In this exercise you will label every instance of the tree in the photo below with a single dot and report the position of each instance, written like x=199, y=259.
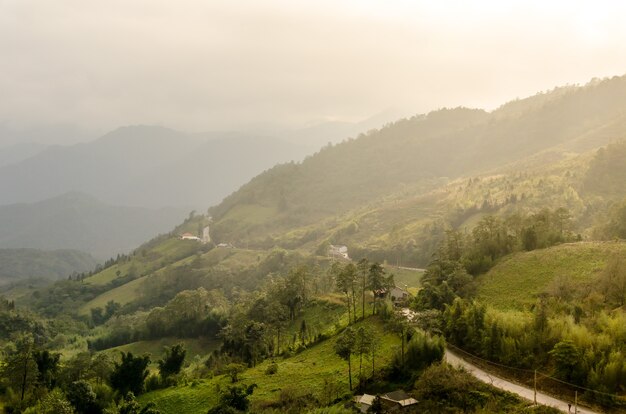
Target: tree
x=567, y=359
x=255, y=340
x=130, y=374
x=96, y=316
x=20, y=367
x=172, y=361
x=377, y=282
x=101, y=367
x=613, y=281
x=56, y=403
x=47, y=367
x=363, y=268
x=362, y=346
x=346, y=280
x=110, y=309
x=277, y=316
x=83, y=398
x=344, y=348
x=234, y=399
x=400, y=326
x=233, y=371
x=129, y=405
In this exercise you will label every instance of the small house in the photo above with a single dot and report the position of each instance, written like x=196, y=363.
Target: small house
x=398, y=296
x=396, y=401
x=338, y=252
x=189, y=236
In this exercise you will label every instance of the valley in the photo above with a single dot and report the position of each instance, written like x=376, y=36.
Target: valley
x=502, y=231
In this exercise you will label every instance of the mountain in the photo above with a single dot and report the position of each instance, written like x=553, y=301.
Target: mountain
x=320, y=134
x=145, y=166
x=80, y=222
x=19, y=264
x=19, y=152
x=418, y=155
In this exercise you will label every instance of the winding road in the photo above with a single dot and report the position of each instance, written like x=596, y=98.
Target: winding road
x=526, y=393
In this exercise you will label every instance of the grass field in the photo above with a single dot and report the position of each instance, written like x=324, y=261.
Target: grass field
x=220, y=259
x=195, y=347
x=122, y=294
x=301, y=373
x=147, y=260
x=515, y=282
x=405, y=278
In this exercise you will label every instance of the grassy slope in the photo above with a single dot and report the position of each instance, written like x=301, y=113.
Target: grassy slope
x=304, y=372
x=122, y=294
x=222, y=260
x=154, y=348
x=167, y=251
x=405, y=277
x=515, y=282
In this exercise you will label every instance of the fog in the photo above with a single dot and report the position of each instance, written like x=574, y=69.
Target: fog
x=250, y=65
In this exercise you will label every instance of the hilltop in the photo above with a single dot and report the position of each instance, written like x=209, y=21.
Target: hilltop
x=414, y=157
x=518, y=280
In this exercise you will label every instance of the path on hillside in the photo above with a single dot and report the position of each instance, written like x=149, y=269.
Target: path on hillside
x=455, y=360
x=416, y=269
x=526, y=393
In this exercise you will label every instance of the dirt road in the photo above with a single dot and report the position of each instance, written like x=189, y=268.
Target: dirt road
x=526, y=393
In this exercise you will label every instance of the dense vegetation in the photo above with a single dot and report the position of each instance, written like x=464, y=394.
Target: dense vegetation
x=573, y=329
x=519, y=237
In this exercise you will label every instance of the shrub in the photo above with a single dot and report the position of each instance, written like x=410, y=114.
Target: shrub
x=271, y=369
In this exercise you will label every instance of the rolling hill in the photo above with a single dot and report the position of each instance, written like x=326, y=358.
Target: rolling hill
x=20, y=264
x=387, y=207
x=417, y=155
x=517, y=281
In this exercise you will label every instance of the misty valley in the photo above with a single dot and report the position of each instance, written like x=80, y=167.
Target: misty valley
x=380, y=274
x=204, y=209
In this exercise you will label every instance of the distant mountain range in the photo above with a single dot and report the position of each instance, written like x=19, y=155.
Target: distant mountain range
x=145, y=166
x=106, y=196
x=80, y=222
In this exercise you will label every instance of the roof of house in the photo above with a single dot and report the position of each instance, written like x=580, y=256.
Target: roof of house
x=186, y=235
x=399, y=397
x=365, y=399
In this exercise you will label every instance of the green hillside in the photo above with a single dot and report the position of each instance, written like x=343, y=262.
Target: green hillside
x=154, y=348
x=516, y=282
x=314, y=366
x=419, y=153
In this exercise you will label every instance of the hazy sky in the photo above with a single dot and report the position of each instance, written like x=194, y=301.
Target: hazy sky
x=212, y=64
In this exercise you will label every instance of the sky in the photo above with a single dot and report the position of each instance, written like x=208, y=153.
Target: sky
x=262, y=64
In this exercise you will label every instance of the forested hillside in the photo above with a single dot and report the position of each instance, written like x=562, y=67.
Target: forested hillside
x=421, y=152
